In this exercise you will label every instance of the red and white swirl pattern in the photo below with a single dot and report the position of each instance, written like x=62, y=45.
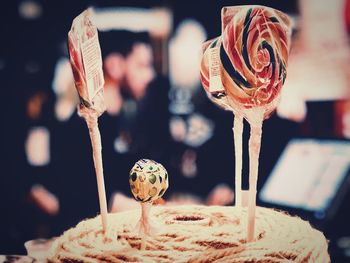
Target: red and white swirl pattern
x=254, y=49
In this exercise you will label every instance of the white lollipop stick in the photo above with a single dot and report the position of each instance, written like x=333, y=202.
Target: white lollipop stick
x=145, y=227
x=254, y=151
x=237, y=132
x=95, y=137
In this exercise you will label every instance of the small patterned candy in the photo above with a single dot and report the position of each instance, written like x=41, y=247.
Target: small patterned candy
x=148, y=180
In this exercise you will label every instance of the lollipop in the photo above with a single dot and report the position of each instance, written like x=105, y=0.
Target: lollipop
x=253, y=55
x=86, y=62
x=148, y=182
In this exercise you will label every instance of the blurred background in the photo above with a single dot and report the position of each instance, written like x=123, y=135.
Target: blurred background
x=157, y=109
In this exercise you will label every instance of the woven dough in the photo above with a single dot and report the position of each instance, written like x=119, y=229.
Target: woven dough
x=193, y=234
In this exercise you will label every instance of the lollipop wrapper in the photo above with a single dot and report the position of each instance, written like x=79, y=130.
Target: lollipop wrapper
x=86, y=62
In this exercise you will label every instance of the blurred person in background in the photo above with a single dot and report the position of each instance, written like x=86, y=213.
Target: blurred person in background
x=193, y=178
x=136, y=108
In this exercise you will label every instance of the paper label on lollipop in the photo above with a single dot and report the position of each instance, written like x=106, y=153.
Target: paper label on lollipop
x=215, y=84
x=86, y=61
x=92, y=60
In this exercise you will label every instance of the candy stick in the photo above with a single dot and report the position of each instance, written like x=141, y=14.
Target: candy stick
x=237, y=133
x=145, y=228
x=91, y=120
x=254, y=151
x=97, y=155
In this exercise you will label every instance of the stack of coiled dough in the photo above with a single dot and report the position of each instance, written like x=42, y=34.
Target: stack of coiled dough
x=193, y=234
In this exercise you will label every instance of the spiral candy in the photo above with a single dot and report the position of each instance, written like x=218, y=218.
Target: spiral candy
x=253, y=53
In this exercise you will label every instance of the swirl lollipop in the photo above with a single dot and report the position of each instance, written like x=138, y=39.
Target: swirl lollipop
x=253, y=56
x=148, y=182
